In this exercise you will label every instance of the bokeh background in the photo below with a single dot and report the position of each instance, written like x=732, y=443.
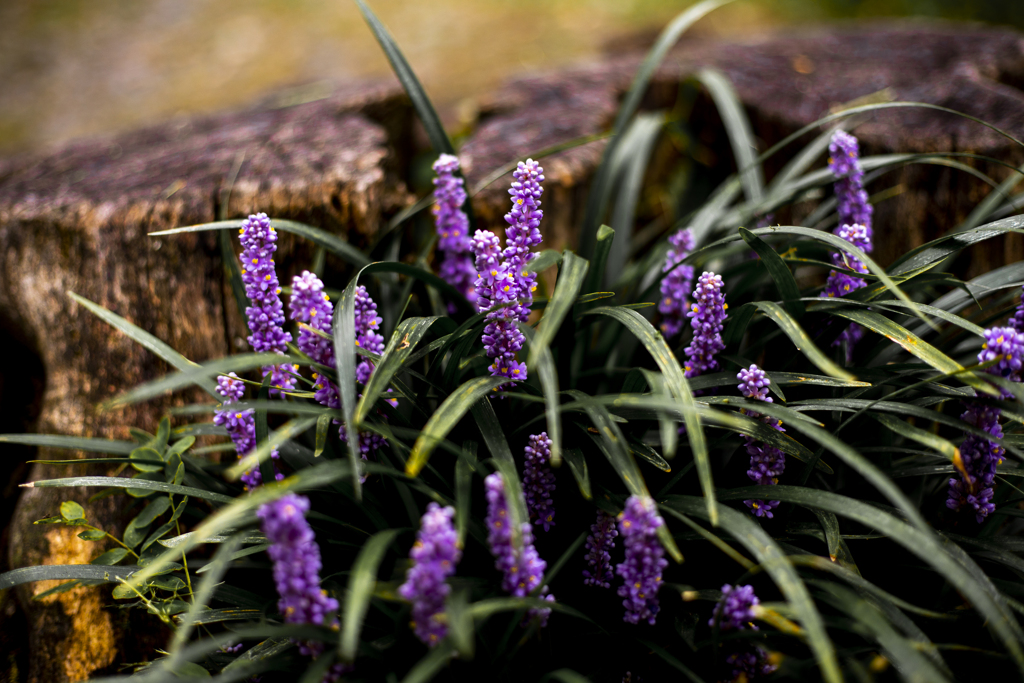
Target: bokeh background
x=72, y=68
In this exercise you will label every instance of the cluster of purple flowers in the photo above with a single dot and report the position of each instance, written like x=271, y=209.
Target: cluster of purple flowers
x=838, y=283
x=296, y=558
x=241, y=427
x=434, y=556
x=854, y=226
x=266, y=314
x=735, y=611
x=641, y=571
x=706, y=317
x=844, y=162
x=311, y=305
x=766, y=462
x=675, y=288
x=539, y=481
x=600, y=543
x=453, y=227
x=504, y=286
x=522, y=568
x=974, y=485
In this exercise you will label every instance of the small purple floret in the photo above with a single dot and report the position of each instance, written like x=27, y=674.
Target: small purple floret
x=539, y=481
x=266, y=314
x=707, y=314
x=677, y=285
x=600, y=543
x=641, y=572
x=434, y=555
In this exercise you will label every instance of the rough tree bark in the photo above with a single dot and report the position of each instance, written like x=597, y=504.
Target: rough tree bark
x=786, y=81
x=76, y=220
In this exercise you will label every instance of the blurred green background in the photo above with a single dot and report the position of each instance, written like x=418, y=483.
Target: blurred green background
x=83, y=67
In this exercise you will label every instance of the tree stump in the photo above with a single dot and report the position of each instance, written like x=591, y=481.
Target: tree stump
x=77, y=219
x=786, y=81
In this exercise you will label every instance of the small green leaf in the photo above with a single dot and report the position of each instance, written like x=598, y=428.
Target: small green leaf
x=72, y=511
x=147, y=459
x=112, y=556
x=92, y=535
x=323, y=423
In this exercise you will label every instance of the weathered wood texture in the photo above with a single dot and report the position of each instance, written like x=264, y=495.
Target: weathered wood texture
x=76, y=220
x=785, y=82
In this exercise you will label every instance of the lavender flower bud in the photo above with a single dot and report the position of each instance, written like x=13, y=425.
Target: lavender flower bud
x=641, y=572
x=241, y=427
x=434, y=556
x=539, y=481
x=266, y=314
x=706, y=317
x=600, y=543
x=522, y=568
x=979, y=457
x=296, y=558
x=676, y=286
x=766, y=462
x=453, y=226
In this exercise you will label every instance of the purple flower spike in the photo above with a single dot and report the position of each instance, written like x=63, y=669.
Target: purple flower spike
x=844, y=162
x=434, y=556
x=641, y=572
x=311, y=305
x=735, y=611
x=453, y=226
x=522, y=568
x=736, y=608
x=706, y=317
x=296, y=558
x=600, y=543
x=841, y=284
x=266, y=314
x=766, y=462
x=504, y=285
x=367, y=336
x=539, y=481
x=979, y=457
x=677, y=285
x=241, y=427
